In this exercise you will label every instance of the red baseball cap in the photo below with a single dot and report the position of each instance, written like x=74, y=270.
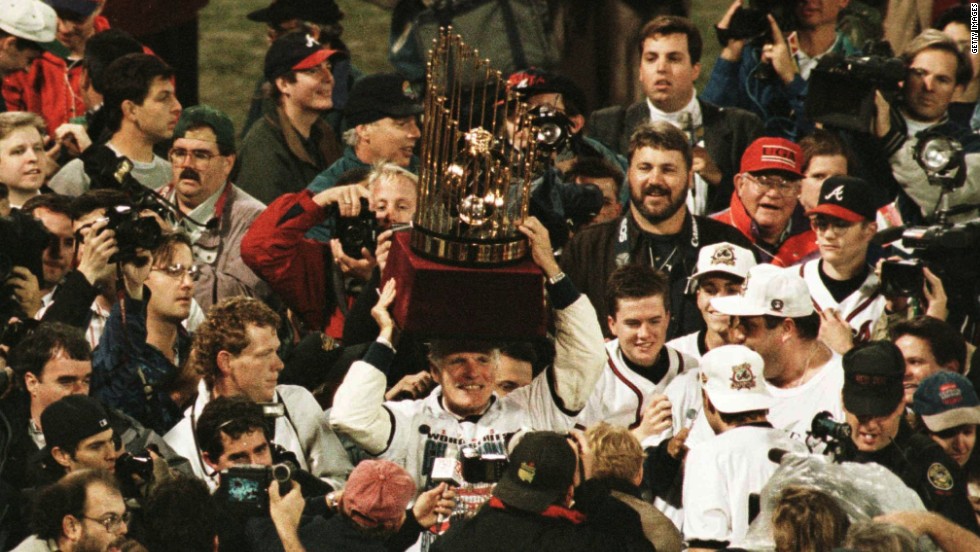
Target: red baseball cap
x=773, y=154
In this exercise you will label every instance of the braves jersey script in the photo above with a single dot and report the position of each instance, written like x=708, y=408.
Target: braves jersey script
x=621, y=395
x=861, y=309
x=720, y=475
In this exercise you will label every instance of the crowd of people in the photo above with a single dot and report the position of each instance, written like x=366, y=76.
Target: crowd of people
x=744, y=349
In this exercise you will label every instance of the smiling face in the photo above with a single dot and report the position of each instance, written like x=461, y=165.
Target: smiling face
x=254, y=372
x=930, y=85
x=666, y=73
x=388, y=139
x=770, y=206
x=958, y=442
x=20, y=160
x=197, y=179
x=467, y=381
x=312, y=91
x=873, y=433
x=157, y=116
x=659, y=180
x=920, y=362
x=713, y=285
x=394, y=200
x=641, y=326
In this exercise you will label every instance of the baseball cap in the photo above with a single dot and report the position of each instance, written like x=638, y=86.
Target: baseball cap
x=945, y=400
x=215, y=119
x=294, y=52
x=380, y=95
x=541, y=468
x=81, y=8
x=873, y=374
x=320, y=11
x=768, y=290
x=71, y=419
x=533, y=81
x=732, y=376
x=721, y=257
x=773, y=154
x=377, y=493
x=847, y=198
x=32, y=20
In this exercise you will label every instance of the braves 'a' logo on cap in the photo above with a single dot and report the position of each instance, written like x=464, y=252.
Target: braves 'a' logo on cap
x=723, y=255
x=526, y=472
x=742, y=377
x=837, y=193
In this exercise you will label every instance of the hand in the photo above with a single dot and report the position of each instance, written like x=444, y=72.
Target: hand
x=73, y=138
x=383, y=248
x=778, y=54
x=348, y=198
x=349, y=266
x=100, y=246
x=164, y=225
x=161, y=474
x=380, y=310
x=676, y=447
x=27, y=290
x=916, y=522
x=286, y=512
x=835, y=332
x=656, y=418
x=935, y=294
x=733, y=50
x=134, y=276
x=705, y=166
x=882, y=120
x=437, y=502
x=578, y=440
x=412, y=386
x=541, y=251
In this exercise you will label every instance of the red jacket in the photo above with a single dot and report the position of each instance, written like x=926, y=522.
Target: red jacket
x=295, y=267
x=798, y=247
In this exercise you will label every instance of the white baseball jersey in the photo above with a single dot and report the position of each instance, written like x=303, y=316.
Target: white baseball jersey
x=795, y=407
x=621, y=395
x=861, y=309
x=720, y=475
x=689, y=344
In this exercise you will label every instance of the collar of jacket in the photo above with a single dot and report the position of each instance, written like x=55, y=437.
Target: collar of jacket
x=554, y=511
x=689, y=233
x=293, y=140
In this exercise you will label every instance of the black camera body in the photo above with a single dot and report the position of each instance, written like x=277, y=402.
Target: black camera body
x=245, y=488
x=132, y=232
x=861, y=77
x=128, y=465
x=552, y=128
x=23, y=240
x=106, y=170
x=902, y=278
x=358, y=232
x=482, y=468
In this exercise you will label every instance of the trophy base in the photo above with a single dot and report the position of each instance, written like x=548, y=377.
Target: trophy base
x=470, y=253
x=444, y=301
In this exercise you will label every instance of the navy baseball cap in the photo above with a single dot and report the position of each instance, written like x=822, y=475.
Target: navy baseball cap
x=847, y=198
x=945, y=400
x=315, y=11
x=539, y=472
x=381, y=95
x=72, y=419
x=294, y=52
x=873, y=374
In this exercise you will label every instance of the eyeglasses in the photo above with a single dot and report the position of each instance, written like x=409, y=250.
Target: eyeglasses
x=821, y=224
x=112, y=522
x=198, y=156
x=177, y=271
x=766, y=182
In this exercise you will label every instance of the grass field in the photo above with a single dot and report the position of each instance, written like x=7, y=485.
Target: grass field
x=232, y=47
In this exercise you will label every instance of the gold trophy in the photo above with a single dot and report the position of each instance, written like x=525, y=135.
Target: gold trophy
x=464, y=259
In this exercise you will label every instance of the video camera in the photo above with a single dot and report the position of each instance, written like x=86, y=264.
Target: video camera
x=834, y=436
x=245, y=488
x=106, y=170
x=132, y=232
x=861, y=77
x=552, y=128
x=751, y=23
x=478, y=467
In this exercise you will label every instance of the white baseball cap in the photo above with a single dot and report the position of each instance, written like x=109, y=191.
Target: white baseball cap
x=732, y=376
x=768, y=290
x=31, y=20
x=722, y=257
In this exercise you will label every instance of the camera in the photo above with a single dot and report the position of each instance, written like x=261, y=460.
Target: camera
x=902, y=278
x=358, y=232
x=824, y=427
x=552, y=128
x=128, y=465
x=13, y=332
x=132, y=232
x=482, y=468
x=861, y=76
x=245, y=488
x=23, y=240
x=107, y=170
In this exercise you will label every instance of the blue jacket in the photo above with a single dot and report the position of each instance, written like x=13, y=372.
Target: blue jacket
x=781, y=107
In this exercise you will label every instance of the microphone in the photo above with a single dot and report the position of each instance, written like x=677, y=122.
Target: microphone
x=776, y=455
x=446, y=469
x=888, y=235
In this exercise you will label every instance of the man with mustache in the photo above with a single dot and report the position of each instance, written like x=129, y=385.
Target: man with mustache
x=657, y=229
x=216, y=213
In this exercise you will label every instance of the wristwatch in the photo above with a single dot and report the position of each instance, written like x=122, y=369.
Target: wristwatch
x=556, y=278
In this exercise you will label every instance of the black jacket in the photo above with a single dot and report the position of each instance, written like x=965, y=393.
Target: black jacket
x=727, y=132
x=590, y=258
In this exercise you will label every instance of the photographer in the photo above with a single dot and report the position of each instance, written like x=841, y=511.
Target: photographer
x=771, y=79
x=141, y=111
x=138, y=365
x=937, y=70
x=301, y=270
